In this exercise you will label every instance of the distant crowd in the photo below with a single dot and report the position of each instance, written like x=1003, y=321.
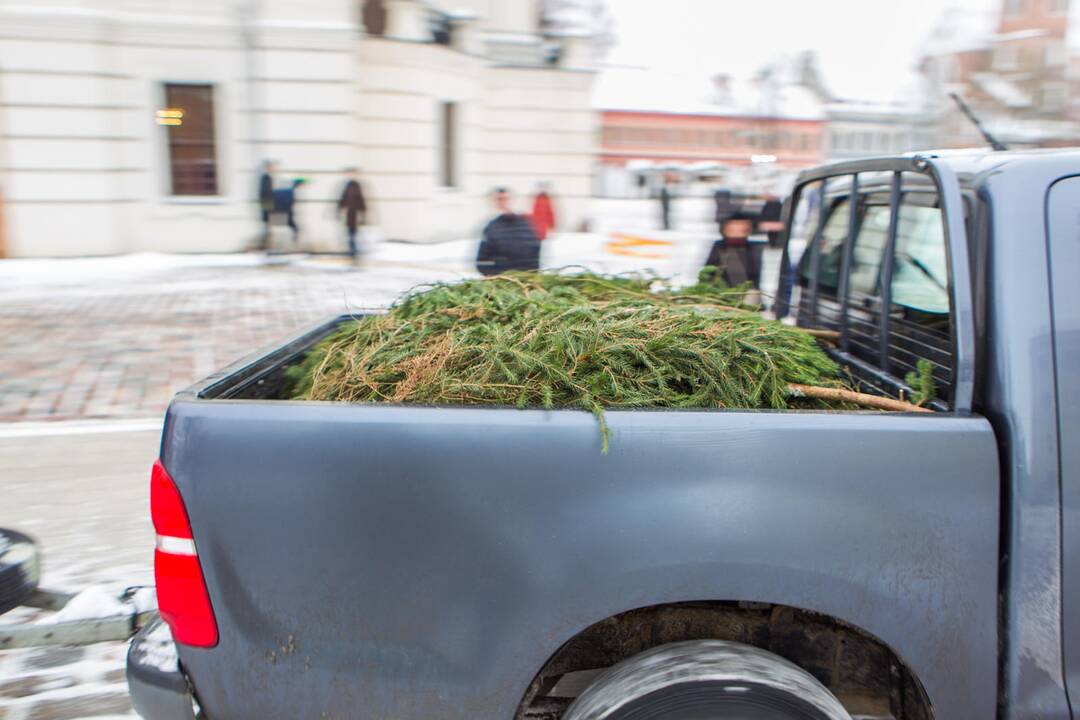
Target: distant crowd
x=511, y=241
x=280, y=203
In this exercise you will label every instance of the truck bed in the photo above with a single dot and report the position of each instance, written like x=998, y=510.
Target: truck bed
x=380, y=561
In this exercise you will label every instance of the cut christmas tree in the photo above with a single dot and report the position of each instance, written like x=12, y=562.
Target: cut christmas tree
x=581, y=341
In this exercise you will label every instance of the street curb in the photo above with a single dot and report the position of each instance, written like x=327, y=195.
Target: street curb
x=78, y=427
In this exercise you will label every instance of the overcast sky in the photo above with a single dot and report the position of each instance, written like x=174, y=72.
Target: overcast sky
x=867, y=47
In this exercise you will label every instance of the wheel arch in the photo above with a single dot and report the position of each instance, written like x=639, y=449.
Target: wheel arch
x=867, y=674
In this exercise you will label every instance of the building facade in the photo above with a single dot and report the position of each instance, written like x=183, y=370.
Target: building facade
x=1013, y=67
x=863, y=129
x=140, y=125
x=754, y=136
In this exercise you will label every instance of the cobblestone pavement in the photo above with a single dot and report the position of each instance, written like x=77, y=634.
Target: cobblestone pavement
x=119, y=338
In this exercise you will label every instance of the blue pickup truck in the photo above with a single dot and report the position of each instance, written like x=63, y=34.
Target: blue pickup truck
x=334, y=560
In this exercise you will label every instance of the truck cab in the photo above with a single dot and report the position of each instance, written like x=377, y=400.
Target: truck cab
x=1019, y=322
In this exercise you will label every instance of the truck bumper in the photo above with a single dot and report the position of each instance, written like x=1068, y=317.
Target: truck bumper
x=159, y=689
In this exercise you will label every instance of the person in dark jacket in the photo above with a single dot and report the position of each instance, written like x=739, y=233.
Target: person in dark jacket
x=285, y=204
x=731, y=254
x=354, y=207
x=266, y=200
x=509, y=241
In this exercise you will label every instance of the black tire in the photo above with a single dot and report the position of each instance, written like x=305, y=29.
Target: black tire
x=19, y=569
x=706, y=680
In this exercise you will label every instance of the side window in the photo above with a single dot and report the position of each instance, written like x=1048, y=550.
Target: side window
x=833, y=236
x=864, y=284
x=919, y=317
x=867, y=252
x=804, y=224
x=830, y=261
x=921, y=273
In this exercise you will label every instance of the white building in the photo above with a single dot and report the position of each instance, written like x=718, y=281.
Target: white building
x=134, y=125
x=864, y=129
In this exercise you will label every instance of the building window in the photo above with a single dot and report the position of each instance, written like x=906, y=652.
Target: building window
x=1053, y=96
x=1054, y=54
x=188, y=118
x=440, y=28
x=448, y=144
x=373, y=17
x=1059, y=6
x=1015, y=7
x=1006, y=57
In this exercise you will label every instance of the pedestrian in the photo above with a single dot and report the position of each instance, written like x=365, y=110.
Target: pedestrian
x=543, y=213
x=732, y=255
x=509, y=242
x=266, y=200
x=665, y=205
x=354, y=208
x=285, y=204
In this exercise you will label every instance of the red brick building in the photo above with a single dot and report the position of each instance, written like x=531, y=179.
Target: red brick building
x=756, y=133
x=729, y=140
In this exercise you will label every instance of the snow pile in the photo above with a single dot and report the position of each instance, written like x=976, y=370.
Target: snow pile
x=102, y=602
x=94, y=603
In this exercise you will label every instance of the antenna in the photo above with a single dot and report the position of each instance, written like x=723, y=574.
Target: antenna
x=994, y=142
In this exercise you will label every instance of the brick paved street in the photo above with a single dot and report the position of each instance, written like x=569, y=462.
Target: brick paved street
x=120, y=338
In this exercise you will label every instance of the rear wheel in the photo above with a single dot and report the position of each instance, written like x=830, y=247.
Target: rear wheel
x=706, y=680
x=19, y=569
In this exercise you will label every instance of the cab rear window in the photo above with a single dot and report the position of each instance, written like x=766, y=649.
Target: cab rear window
x=912, y=291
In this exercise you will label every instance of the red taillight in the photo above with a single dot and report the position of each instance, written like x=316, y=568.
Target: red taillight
x=181, y=590
x=166, y=506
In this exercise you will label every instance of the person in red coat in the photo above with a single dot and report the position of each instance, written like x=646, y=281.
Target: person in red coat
x=543, y=213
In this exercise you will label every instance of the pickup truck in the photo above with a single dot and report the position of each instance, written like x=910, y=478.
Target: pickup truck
x=336, y=560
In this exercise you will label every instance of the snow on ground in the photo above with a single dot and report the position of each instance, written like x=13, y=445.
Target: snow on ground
x=99, y=602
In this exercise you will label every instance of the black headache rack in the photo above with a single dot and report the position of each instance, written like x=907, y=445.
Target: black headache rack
x=869, y=348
